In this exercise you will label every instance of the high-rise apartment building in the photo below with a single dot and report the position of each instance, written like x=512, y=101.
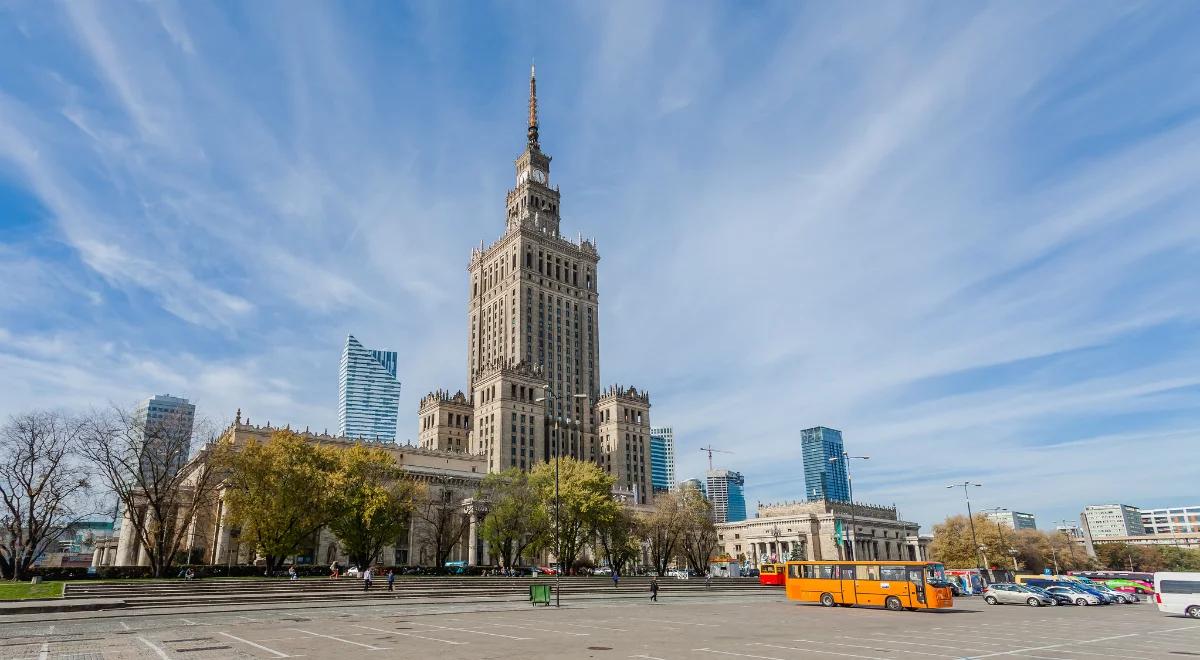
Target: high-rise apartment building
x=662, y=459
x=1014, y=519
x=698, y=484
x=824, y=479
x=165, y=423
x=726, y=492
x=533, y=345
x=1105, y=520
x=1172, y=520
x=368, y=392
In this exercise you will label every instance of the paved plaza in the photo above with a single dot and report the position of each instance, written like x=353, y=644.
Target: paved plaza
x=766, y=627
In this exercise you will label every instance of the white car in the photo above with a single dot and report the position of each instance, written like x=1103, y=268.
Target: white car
x=1178, y=593
x=1078, y=597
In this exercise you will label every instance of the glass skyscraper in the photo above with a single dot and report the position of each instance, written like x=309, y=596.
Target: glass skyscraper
x=368, y=393
x=165, y=423
x=662, y=459
x=823, y=479
x=726, y=492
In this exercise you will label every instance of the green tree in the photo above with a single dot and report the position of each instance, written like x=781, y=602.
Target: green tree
x=662, y=529
x=442, y=520
x=698, y=534
x=373, y=502
x=617, y=538
x=517, y=521
x=586, y=501
x=280, y=493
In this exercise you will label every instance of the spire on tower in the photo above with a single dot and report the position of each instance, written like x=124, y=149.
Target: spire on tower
x=533, y=122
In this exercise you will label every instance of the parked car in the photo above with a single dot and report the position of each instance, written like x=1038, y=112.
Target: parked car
x=1007, y=593
x=1059, y=599
x=1116, y=596
x=1078, y=597
x=602, y=570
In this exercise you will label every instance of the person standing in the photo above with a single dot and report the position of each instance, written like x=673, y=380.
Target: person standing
x=292, y=573
x=708, y=580
x=367, y=579
x=616, y=578
x=391, y=580
x=654, y=589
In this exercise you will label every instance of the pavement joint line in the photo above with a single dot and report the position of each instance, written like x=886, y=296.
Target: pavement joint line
x=819, y=651
x=743, y=655
x=397, y=632
x=347, y=641
x=676, y=623
x=1053, y=646
x=514, y=625
x=646, y=657
x=277, y=654
x=154, y=647
x=864, y=646
x=896, y=641
x=466, y=630
x=581, y=625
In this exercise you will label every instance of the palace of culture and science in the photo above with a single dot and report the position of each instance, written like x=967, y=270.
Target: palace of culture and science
x=534, y=322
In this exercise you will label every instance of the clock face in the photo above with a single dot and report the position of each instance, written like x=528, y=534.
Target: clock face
x=539, y=176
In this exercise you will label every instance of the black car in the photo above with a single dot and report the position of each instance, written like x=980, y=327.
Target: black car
x=1059, y=598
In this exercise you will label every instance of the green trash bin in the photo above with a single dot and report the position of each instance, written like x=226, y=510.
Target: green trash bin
x=539, y=593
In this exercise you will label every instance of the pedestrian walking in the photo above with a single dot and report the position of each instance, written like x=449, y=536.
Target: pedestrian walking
x=654, y=589
x=333, y=571
x=367, y=579
x=708, y=580
x=616, y=579
x=292, y=573
x=391, y=580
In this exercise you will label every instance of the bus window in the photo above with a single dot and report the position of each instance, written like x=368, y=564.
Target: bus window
x=893, y=574
x=868, y=571
x=915, y=574
x=935, y=574
x=825, y=571
x=847, y=572
x=794, y=571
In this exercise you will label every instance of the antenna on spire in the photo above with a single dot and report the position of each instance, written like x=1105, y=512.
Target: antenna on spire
x=533, y=121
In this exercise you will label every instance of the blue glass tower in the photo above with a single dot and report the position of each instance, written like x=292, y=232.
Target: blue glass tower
x=368, y=393
x=726, y=492
x=662, y=459
x=824, y=480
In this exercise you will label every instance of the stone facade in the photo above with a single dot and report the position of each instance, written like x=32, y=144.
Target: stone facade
x=811, y=526
x=533, y=315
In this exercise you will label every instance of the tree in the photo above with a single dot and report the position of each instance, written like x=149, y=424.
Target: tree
x=40, y=487
x=662, y=530
x=143, y=460
x=517, y=522
x=280, y=493
x=373, y=501
x=698, y=533
x=585, y=494
x=443, y=522
x=1034, y=549
x=617, y=538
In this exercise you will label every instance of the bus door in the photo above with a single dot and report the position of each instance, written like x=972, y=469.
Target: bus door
x=916, y=577
x=849, y=583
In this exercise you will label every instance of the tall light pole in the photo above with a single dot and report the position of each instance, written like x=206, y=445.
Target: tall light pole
x=970, y=517
x=845, y=459
x=550, y=397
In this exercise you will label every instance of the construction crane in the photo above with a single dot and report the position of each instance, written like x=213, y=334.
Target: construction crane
x=710, y=451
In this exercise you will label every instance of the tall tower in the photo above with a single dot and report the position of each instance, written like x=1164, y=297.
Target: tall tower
x=533, y=316
x=824, y=479
x=368, y=392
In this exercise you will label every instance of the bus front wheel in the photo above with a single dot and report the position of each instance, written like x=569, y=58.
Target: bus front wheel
x=827, y=600
x=1194, y=611
x=893, y=604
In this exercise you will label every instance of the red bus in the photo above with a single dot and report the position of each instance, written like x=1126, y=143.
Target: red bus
x=772, y=574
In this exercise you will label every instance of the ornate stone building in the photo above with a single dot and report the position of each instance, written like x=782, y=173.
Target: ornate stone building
x=875, y=532
x=533, y=354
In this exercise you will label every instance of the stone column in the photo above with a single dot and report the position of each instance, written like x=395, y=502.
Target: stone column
x=96, y=554
x=472, y=537
x=127, y=544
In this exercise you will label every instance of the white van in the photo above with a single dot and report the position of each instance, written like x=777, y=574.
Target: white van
x=1178, y=593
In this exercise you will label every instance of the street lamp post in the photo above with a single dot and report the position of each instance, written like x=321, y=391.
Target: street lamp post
x=551, y=397
x=845, y=459
x=776, y=533
x=970, y=517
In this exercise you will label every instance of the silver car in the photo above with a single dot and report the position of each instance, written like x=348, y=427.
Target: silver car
x=1006, y=593
x=1078, y=597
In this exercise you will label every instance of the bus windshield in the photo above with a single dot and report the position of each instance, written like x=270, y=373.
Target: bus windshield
x=935, y=574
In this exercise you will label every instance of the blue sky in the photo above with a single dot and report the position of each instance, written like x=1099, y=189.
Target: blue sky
x=968, y=235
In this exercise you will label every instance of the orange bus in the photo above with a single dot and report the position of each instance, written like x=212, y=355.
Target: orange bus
x=896, y=585
x=772, y=574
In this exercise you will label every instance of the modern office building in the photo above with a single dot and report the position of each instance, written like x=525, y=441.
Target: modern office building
x=824, y=479
x=698, y=484
x=726, y=492
x=165, y=423
x=368, y=392
x=662, y=459
x=1014, y=519
x=1172, y=520
x=1107, y=520
x=534, y=389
